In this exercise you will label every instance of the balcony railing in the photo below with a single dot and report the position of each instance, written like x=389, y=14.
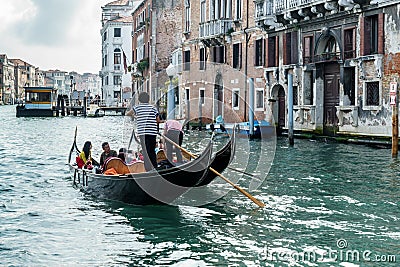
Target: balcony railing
x=214, y=28
x=286, y=5
x=330, y=56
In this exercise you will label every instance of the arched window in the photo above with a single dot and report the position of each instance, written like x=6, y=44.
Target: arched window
x=117, y=56
x=331, y=45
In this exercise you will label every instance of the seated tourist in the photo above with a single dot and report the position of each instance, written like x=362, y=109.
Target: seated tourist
x=107, y=152
x=84, y=160
x=121, y=154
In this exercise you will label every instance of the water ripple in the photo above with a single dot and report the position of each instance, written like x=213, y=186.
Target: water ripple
x=315, y=194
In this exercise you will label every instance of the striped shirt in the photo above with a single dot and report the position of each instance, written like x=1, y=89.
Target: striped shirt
x=146, y=118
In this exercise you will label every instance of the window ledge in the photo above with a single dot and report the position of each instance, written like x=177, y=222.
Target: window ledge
x=372, y=108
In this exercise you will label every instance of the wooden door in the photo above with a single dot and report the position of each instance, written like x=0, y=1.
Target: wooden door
x=331, y=98
x=281, y=108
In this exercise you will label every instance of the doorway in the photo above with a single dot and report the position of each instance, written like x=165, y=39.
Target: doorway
x=281, y=109
x=331, y=97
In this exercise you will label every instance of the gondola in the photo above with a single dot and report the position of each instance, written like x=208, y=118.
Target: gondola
x=156, y=186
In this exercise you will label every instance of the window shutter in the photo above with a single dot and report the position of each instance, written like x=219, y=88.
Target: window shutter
x=240, y=56
x=255, y=53
x=381, y=33
x=294, y=48
x=276, y=51
x=263, y=52
x=367, y=36
x=287, y=51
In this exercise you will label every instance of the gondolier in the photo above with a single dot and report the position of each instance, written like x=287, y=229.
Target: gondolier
x=173, y=130
x=147, y=118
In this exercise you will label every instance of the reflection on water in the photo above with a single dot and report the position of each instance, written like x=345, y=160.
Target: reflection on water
x=315, y=193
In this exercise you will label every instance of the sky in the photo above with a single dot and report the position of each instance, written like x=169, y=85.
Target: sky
x=53, y=34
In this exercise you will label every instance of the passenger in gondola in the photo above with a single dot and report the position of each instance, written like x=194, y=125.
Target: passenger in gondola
x=173, y=131
x=84, y=160
x=121, y=154
x=107, y=153
x=147, y=118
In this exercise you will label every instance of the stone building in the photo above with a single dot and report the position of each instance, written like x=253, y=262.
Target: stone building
x=7, y=80
x=116, y=50
x=156, y=33
x=222, y=48
x=342, y=55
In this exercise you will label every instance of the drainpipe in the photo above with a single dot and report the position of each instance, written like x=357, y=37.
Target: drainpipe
x=251, y=106
x=246, y=51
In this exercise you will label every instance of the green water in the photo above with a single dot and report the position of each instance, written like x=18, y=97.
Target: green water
x=327, y=204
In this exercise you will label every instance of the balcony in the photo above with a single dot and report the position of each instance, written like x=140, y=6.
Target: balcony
x=271, y=12
x=326, y=56
x=215, y=29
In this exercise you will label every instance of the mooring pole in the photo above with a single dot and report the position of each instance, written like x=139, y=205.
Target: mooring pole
x=395, y=119
x=251, y=106
x=290, y=108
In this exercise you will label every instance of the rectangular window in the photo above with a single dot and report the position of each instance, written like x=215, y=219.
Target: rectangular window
x=201, y=96
x=259, y=99
x=295, y=95
x=308, y=88
x=373, y=35
x=219, y=54
x=291, y=51
x=238, y=13
x=104, y=36
x=272, y=51
x=186, y=60
x=187, y=95
x=349, y=43
x=237, y=56
x=117, y=58
x=308, y=49
x=117, y=32
x=187, y=15
x=349, y=87
x=117, y=80
x=372, y=93
x=259, y=52
x=235, y=98
x=203, y=11
x=202, y=58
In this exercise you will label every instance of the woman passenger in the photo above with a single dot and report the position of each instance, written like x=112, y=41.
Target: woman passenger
x=86, y=154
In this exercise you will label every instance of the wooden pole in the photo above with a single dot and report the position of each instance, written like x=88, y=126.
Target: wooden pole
x=395, y=119
x=290, y=108
x=248, y=195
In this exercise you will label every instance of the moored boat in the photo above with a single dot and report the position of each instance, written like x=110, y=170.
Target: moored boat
x=39, y=102
x=262, y=129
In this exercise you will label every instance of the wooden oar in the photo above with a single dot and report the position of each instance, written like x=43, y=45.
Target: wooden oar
x=245, y=173
x=258, y=202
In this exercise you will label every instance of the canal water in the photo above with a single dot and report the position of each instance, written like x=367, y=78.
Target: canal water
x=327, y=204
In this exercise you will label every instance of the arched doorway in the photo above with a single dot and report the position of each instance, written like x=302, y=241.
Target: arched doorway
x=327, y=54
x=218, y=96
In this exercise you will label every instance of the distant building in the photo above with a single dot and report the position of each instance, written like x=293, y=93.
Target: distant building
x=116, y=50
x=7, y=81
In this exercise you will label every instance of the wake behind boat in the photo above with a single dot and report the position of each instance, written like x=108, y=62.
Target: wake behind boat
x=156, y=186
